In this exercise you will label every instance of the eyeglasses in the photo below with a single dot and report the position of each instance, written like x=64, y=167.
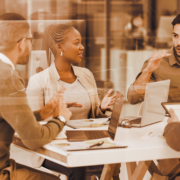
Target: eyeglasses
x=30, y=38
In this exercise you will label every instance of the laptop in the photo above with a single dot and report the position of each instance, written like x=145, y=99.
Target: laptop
x=152, y=110
x=84, y=135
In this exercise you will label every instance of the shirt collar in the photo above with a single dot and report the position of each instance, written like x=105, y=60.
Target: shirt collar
x=55, y=74
x=172, y=58
x=6, y=60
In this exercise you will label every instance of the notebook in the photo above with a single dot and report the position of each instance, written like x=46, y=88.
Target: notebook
x=156, y=93
x=83, y=135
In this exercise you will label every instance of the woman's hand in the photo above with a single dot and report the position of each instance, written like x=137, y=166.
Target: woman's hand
x=107, y=101
x=48, y=110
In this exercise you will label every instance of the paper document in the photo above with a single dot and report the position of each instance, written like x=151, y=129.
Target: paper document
x=153, y=135
x=85, y=145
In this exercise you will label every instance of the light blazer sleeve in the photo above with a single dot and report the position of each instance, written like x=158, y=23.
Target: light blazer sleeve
x=35, y=93
x=95, y=111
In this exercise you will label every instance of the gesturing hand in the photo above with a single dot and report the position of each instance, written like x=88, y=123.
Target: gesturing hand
x=155, y=60
x=50, y=107
x=108, y=101
x=62, y=110
x=173, y=117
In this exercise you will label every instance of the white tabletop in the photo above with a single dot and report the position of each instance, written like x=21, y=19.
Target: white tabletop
x=146, y=143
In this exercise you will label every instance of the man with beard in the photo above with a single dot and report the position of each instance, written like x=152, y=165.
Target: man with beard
x=15, y=113
x=161, y=66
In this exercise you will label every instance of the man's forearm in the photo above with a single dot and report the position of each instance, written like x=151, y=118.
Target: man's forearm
x=141, y=82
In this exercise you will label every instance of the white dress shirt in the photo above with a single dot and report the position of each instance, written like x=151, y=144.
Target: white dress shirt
x=5, y=59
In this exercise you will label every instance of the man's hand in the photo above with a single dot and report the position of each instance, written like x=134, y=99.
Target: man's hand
x=49, y=108
x=62, y=110
x=153, y=63
x=155, y=60
x=173, y=117
x=108, y=101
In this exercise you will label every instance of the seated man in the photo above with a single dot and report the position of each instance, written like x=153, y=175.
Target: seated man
x=15, y=113
x=172, y=133
x=161, y=66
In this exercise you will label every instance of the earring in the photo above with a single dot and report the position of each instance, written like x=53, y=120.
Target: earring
x=61, y=54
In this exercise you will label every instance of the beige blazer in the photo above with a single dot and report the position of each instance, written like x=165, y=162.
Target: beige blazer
x=42, y=86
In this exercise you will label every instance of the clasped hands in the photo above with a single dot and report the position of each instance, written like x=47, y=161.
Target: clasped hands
x=57, y=107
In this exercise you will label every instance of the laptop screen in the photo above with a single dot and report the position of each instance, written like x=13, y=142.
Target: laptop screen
x=114, y=122
x=156, y=93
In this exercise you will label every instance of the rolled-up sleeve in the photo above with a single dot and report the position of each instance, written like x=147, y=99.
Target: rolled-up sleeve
x=132, y=96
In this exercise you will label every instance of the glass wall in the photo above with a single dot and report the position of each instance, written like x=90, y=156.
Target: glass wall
x=118, y=35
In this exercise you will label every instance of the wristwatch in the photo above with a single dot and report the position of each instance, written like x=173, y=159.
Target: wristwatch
x=61, y=118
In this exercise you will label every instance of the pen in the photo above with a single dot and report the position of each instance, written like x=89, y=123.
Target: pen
x=97, y=144
x=73, y=127
x=100, y=148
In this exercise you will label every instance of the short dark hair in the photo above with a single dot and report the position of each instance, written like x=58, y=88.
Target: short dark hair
x=12, y=28
x=176, y=20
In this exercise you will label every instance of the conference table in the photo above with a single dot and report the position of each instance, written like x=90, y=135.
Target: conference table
x=145, y=145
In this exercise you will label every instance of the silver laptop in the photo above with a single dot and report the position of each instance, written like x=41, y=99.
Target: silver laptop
x=152, y=112
x=84, y=135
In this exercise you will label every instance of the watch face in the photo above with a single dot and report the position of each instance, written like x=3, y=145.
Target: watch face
x=62, y=119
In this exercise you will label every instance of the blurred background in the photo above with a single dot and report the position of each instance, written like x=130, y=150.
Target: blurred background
x=118, y=35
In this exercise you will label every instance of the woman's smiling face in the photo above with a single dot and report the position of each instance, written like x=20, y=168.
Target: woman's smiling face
x=72, y=47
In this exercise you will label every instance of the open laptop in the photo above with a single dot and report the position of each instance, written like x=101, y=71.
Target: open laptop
x=84, y=135
x=152, y=110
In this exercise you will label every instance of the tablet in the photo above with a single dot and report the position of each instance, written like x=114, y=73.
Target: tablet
x=175, y=106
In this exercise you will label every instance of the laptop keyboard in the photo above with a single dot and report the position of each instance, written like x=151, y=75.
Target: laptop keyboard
x=96, y=134
x=136, y=121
